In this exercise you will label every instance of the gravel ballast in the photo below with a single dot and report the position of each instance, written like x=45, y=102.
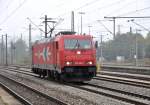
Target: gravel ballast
x=68, y=94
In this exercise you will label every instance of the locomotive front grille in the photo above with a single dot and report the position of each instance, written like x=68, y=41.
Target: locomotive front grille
x=79, y=73
x=79, y=69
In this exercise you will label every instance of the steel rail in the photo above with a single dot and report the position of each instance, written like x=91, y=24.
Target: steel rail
x=114, y=96
x=123, y=81
x=119, y=91
x=50, y=98
x=16, y=95
x=126, y=75
x=114, y=90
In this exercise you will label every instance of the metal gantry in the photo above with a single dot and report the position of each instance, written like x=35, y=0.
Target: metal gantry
x=117, y=17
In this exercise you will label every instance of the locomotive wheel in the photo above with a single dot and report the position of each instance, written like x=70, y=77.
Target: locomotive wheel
x=61, y=78
x=52, y=75
x=57, y=76
x=39, y=71
x=43, y=73
x=40, y=74
x=49, y=74
x=33, y=70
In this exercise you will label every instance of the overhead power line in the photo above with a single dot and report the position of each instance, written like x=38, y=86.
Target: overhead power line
x=139, y=25
x=80, y=7
x=135, y=11
x=13, y=12
x=35, y=25
x=122, y=7
x=105, y=27
x=87, y=4
x=105, y=6
x=90, y=3
x=117, y=17
x=9, y=3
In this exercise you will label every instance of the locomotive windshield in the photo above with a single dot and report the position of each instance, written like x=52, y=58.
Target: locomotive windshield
x=77, y=44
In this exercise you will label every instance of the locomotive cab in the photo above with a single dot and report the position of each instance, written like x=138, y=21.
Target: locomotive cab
x=78, y=58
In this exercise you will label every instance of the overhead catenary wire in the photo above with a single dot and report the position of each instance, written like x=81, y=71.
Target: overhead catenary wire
x=35, y=25
x=105, y=27
x=135, y=11
x=82, y=6
x=13, y=12
x=9, y=3
x=114, y=3
x=6, y=6
x=108, y=5
x=43, y=13
x=87, y=4
x=139, y=10
x=140, y=25
x=78, y=8
x=90, y=3
x=104, y=6
x=122, y=7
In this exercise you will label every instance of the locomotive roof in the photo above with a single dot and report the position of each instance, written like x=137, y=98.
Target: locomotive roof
x=77, y=36
x=44, y=40
x=64, y=34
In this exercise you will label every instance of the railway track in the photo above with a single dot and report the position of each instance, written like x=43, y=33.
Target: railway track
x=104, y=77
x=116, y=94
x=126, y=69
x=109, y=92
x=27, y=94
x=26, y=72
x=128, y=81
x=16, y=95
x=126, y=75
x=19, y=74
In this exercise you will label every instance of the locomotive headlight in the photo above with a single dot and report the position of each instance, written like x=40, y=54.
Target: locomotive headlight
x=90, y=62
x=78, y=52
x=68, y=63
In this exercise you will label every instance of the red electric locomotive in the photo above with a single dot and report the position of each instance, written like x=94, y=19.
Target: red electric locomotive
x=67, y=56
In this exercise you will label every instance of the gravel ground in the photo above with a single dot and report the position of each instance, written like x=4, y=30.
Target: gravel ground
x=7, y=99
x=117, y=94
x=1, y=101
x=68, y=94
x=124, y=87
x=29, y=95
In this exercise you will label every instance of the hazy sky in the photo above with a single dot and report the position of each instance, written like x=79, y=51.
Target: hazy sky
x=14, y=13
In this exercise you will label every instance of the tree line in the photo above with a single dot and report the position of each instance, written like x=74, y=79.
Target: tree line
x=126, y=45
x=18, y=52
